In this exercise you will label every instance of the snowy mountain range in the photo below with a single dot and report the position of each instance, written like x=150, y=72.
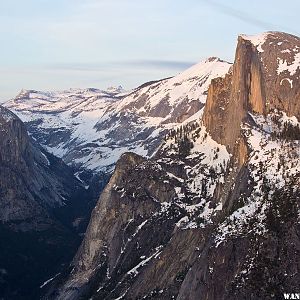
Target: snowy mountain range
x=214, y=214
x=90, y=129
x=203, y=201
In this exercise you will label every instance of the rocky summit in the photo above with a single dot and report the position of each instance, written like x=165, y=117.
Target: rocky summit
x=214, y=212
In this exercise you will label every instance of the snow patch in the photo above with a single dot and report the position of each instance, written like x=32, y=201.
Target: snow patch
x=284, y=66
x=290, y=81
x=49, y=280
x=256, y=40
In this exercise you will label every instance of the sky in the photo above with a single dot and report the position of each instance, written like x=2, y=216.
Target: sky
x=61, y=44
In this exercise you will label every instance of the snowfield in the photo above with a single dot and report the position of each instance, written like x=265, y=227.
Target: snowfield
x=91, y=128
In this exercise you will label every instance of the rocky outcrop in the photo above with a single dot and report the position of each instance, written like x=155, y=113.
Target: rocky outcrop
x=33, y=183
x=43, y=209
x=280, y=57
x=251, y=266
x=128, y=211
x=17, y=160
x=264, y=77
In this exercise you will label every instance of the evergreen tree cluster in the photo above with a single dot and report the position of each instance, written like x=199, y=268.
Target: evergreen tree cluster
x=182, y=138
x=290, y=132
x=182, y=131
x=184, y=146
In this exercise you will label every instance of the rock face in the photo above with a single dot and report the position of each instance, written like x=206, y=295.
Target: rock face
x=40, y=203
x=214, y=214
x=265, y=77
x=90, y=129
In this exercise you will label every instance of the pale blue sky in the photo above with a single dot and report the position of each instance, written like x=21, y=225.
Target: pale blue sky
x=58, y=44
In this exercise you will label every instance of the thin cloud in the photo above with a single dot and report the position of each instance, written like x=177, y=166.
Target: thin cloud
x=135, y=64
x=164, y=64
x=244, y=16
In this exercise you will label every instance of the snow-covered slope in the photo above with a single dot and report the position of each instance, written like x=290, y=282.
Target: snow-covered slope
x=160, y=216
x=214, y=214
x=91, y=128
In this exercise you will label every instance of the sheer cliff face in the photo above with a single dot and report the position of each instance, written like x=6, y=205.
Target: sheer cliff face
x=33, y=183
x=17, y=165
x=280, y=57
x=39, y=200
x=264, y=77
x=212, y=214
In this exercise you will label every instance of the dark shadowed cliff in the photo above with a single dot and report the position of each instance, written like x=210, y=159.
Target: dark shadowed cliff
x=43, y=209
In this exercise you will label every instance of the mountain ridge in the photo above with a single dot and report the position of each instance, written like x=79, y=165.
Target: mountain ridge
x=74, y=123
x=214, y=214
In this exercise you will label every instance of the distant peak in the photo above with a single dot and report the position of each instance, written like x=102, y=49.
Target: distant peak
x=23, y=91
x=115, y=89
x=213, y=58
x=92, y=90
x=22, y=94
